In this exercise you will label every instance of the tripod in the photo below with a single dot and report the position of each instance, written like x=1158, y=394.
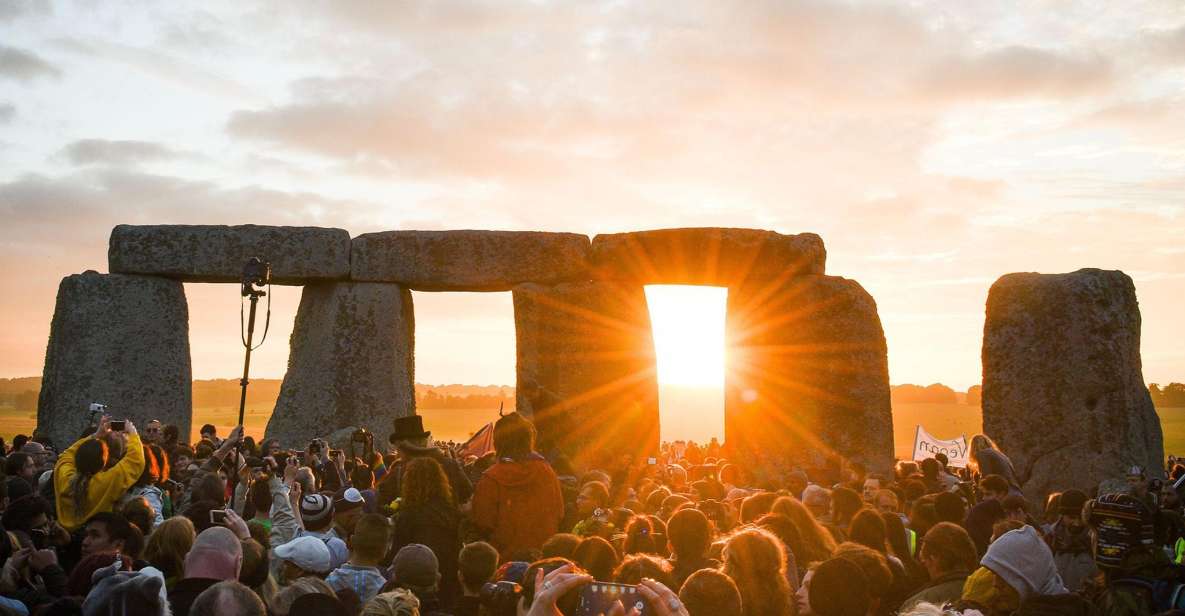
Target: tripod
x=256, y=275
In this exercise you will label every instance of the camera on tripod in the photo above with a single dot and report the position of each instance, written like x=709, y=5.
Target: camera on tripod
x=257, y=274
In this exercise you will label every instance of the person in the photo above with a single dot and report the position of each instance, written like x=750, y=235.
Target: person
x=216, y=556
x=949, y=556
x=228, y=598
x=708, y=592
x=415, y=568
x=689, y=536
x=1070, y=540
x=167, y=546
x=410, y=440
x=817, y=543
x=146, y=487
x=428, y=515
x=985, y=458
x=475, y=566
x=756, y=561
x=84, y=486
x=988, y=511
x=592, y=505
x=316, y=511
x=152, y=432
x=303, y=557
x=834, y=587
x=1022, y=561
x=209, y=433
x=284, y=601
x=368, y=546
x=347, y=509
x=872, y=485
x=1137, y=486
x=21, y=470
x=105, y=532
x=126, y=592
x=1134, y=567
x=517, y=503
x=597, y=556
x=818, y=501
x=845, y=502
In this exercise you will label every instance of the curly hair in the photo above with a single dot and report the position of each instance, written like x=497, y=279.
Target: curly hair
x=423, y=480
x=755, y=559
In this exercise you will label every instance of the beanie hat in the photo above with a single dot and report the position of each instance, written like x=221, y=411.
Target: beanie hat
x=130, y=593
x=1071, y=503
x=315, y=508
x=415, y=565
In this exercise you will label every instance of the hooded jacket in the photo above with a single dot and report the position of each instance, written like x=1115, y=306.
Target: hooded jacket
x=518, y=504
x=1025, y=562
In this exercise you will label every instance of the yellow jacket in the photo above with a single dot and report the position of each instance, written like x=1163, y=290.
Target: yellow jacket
x=105, y=487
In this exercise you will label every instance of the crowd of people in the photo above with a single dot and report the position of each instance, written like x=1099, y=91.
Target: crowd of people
x=124, y=522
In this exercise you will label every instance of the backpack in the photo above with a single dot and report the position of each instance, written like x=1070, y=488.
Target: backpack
x=1142, y=595
x=1056, y=605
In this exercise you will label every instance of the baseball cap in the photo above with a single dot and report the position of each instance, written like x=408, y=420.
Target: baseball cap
x=315, y=508
x=415, y=565
x=308, y=553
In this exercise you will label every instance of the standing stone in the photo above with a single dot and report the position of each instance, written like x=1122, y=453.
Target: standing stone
x=586, y=368
x=808, y=377
x=217, y=253
x=350, y=364
x=118, y=340
x=469, y=260
x=708, y=256
x=1063, y=391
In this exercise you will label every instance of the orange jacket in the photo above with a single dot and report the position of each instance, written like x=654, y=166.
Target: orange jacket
x=518, y=504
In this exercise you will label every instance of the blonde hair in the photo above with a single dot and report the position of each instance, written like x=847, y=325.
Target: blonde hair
x=818, y=543
x=281, y=603
x=168, y=544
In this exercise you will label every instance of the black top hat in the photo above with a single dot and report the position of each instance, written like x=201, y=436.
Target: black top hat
x=410, y=427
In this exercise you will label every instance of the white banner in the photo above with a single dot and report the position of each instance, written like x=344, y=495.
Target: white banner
x=926, y=446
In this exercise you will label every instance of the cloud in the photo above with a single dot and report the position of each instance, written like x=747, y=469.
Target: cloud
x=1020, y=71
x=103, y=151
x=7, y=112
x=160, y=64
x=11, y=10
x=21, y=65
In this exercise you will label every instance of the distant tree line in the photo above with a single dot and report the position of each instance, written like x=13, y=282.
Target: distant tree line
x=433, y=400
x=930, y=394
x=1172, y=394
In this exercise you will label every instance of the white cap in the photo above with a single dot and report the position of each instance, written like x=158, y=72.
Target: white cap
x=308, y=553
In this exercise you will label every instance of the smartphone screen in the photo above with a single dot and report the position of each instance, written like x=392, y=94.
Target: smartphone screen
x=597, y=598
x=118, y=424
x=218, y=517
x=652, y=461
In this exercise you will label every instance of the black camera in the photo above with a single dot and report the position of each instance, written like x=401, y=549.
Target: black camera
x=256, y=273
x=360, y=436
x=500, y=598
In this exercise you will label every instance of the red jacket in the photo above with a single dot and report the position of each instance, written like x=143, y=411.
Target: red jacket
x=518, y=505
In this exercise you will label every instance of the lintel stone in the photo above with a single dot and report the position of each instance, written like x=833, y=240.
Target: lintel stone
x=216, y=253
x=469, y=260
x=707, y=256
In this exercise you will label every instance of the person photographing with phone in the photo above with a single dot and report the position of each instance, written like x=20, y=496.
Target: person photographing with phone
x=84, y=485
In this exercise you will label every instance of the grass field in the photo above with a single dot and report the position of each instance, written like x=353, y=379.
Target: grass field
x=944, y=421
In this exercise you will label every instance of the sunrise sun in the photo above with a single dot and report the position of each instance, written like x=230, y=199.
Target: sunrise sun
x=688, y=324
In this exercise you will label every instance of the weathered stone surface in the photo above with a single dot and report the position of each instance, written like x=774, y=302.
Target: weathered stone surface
x=1063, y=390
x=708, y=256
x=469, y=260
x=118, y=340
x=216, y=253
x=350, y=364
x=808, y=375
x=586, y=368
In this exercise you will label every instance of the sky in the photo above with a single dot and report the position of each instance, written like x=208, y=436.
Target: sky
x=934, y=145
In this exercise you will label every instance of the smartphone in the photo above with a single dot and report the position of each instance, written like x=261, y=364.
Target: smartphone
x=119, y=424
x=597, y=598
x=218, y=517
x=651, y=461
x=335, y=453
